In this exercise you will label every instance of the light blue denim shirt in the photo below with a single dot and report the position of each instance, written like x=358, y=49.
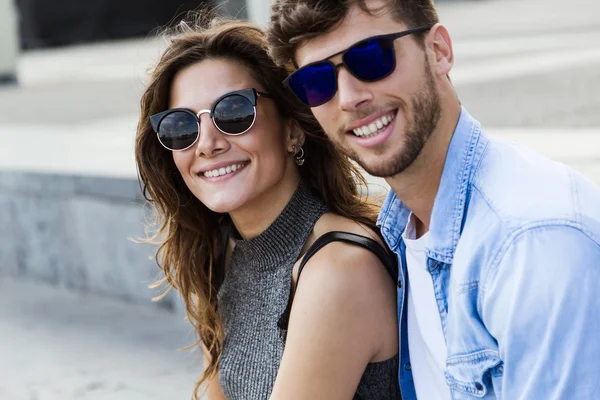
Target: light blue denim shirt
x=514, y=255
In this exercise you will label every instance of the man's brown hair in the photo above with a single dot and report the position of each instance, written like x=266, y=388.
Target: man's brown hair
x=295, y=21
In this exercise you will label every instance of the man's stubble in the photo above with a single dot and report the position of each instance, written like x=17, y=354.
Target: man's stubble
x=426, y=113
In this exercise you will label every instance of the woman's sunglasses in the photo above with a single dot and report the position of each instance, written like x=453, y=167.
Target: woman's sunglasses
x=233, y=113
x=369, y=60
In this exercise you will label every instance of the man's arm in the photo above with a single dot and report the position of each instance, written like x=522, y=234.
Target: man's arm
x=542, y=304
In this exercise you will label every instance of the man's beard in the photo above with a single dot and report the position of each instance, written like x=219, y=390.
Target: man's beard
x=426, y=113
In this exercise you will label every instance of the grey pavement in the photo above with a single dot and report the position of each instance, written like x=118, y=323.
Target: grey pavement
x=60, y=345
x=527, y=69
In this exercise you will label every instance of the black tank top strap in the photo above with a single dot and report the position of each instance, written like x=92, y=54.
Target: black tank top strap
x=373, y=246
x=387, y=259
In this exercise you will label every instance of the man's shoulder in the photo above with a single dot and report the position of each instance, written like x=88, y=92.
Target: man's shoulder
x=519, y=187
x=516, y=192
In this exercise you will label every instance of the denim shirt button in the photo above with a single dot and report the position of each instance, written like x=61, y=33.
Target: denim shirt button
x=407, y=367
x=399, y=284
x=478, y=386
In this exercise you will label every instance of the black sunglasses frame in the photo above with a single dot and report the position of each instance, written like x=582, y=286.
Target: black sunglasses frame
x=250, y=94
x=389, y=39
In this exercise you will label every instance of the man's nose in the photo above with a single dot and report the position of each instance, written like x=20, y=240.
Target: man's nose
x=353, y=93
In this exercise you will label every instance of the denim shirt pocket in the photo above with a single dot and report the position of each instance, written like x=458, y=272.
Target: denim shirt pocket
x=468, y=375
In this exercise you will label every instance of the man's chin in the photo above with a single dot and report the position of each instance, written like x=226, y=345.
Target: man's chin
x=392, y=161
x=381, y=169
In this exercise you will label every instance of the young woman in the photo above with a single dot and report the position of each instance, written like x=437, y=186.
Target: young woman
x=251, y=198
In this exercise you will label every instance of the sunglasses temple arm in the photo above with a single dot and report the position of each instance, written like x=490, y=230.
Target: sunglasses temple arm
x=154, y=122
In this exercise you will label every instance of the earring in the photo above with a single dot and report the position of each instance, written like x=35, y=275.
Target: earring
x=299, y=157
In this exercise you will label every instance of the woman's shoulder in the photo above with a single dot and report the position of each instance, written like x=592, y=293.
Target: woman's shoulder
x=345, y=290
x=343, y=265
x=330, y=222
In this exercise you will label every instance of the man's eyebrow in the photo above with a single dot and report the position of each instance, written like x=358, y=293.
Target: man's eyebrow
x=326, y=57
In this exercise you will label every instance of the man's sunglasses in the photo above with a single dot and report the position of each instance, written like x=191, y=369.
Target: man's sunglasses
x=233, y=113
x=369, y=60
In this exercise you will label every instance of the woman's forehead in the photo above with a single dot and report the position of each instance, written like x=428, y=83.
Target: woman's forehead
x=197, y=86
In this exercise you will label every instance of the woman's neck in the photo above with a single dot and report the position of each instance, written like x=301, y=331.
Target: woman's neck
x=256, y=216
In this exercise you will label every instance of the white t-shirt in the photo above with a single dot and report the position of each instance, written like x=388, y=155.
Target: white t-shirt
x=426, y=342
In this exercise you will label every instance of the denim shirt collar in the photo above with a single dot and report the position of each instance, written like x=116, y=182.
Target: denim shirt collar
x=451, y=200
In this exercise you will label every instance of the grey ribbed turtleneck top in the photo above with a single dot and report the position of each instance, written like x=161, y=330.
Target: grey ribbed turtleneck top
x=254, y=296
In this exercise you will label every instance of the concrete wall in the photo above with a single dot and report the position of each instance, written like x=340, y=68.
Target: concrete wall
x=259, y=11
x=74, y=231
x=232, y=8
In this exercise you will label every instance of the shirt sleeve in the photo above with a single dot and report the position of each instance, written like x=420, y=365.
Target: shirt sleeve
x=542, y=304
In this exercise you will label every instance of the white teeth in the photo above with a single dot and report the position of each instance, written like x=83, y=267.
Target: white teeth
x=374, y=127
x=223, y=171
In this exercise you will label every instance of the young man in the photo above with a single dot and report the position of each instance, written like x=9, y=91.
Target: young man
x=499, y=248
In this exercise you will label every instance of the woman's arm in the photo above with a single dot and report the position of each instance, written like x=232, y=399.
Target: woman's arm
x=343, y=317
x=213, y=388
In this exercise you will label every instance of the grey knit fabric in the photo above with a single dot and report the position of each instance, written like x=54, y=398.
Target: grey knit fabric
x=255, y=294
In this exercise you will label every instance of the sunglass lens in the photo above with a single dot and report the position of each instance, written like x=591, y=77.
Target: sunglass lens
x=314, y=84
x=234, y=114
x=371, y=60
x=178, y=130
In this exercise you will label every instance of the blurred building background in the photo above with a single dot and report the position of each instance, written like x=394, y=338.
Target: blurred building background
x=44, y=23
x=76, y=316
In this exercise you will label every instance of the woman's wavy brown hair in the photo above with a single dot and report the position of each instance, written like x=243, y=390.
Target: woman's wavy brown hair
x=187, y=231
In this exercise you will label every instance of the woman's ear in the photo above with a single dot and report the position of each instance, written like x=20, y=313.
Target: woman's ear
x=295, y=137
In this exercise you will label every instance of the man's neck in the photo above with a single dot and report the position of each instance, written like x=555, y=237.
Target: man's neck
x=418, y=185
